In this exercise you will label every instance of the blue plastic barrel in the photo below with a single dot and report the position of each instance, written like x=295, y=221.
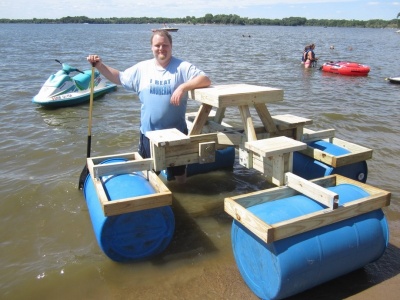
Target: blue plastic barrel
x=309, y=168
x=129, y=236
x=289, y=266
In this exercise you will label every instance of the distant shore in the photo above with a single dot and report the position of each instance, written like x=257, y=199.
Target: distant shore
x=214, y=20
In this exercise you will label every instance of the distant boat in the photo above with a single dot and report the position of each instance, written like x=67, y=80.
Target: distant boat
x=394, y=79
x=167, y=28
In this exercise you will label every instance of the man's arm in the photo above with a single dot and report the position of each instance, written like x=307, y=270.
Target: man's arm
x=197, y=82
x=110, y=73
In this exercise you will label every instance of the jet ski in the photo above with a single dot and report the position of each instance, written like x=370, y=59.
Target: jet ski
x=393, y=79
x=64, y=89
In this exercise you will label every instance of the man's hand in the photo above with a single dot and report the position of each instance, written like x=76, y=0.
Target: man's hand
x=177, y=96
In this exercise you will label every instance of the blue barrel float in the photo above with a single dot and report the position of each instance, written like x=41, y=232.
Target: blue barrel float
x=134, y=235
x=294, y=264
x=309, y=168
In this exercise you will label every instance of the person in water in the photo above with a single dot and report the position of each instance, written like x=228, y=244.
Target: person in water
x=310, y=59
x=162, y=84
x=304, y=56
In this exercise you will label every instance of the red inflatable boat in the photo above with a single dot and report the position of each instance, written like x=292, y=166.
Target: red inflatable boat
x=346, y=68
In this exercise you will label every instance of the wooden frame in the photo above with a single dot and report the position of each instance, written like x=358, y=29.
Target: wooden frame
x=171, y=148
x=237, y=207
x=273, y=157
x=357, y=153
x=134, y=163
x=295, y=123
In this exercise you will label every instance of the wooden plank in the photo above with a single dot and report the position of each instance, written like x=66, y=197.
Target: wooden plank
x=223, y=127
x=278, y=170
x=90, y=165
x=122, y=167
x=275, y=146
x=171, y=137
x=158, y=156
x=352, y=147
x=129, y=156
x=184, y=154
x=245, y=158
x=260, y=197
x=276, y=193
x=288, y=121
x=347, y=159
x=326, y=217
x=265, y=117
x=219, y=115
x=117, y=207
x=230, y=138
x=289, y=161
x=366, y=187
x=156, y=182
x=249, y=220
x=98, y=184
x=312, y=136
x=337, y=161
x=201, y=119
x=247, y=122
x=237, y=95
x=312, y=190
x=100, y=191
x=180, y=160
x=357, y=153
x=273, y=168
x=262, y=164
x=203, y=138
x=193, y=146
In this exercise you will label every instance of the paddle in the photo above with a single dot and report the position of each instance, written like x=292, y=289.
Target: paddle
x=85, y=171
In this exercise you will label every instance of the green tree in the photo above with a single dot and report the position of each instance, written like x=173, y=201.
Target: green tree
x=398, y=23
x=208, y=18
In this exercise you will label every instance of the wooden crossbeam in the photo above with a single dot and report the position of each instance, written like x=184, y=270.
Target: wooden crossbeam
x=312, y=190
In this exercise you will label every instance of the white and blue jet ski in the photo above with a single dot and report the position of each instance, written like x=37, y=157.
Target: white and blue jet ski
x=61, y=89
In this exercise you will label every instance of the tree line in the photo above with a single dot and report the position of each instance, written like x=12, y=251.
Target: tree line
x=214, y=19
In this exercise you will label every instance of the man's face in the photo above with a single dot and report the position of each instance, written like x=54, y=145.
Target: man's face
x=162, y=49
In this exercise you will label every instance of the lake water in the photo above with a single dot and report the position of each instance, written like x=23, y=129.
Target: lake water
x=48, y=249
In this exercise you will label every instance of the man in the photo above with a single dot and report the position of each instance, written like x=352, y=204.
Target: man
x=162, y=84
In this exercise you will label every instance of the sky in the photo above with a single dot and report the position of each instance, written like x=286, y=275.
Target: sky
x=266, y=9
